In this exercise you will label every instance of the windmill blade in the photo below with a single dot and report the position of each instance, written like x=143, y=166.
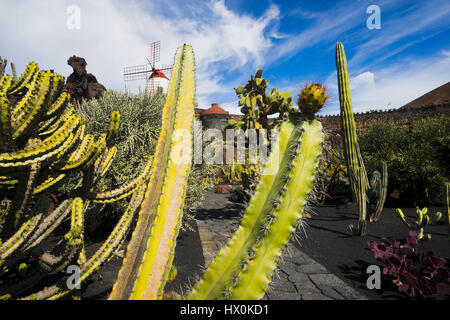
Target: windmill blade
x=137, y=72
x=155, y=49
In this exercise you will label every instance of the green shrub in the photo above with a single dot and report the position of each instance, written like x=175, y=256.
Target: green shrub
x=417, y=158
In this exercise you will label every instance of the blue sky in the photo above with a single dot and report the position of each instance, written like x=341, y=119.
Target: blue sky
x=293, y=41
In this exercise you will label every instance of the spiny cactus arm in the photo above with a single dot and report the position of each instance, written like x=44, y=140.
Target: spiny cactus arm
x=24, y=232
x=270, y=219
x=381, y=194
x=27, y=98
x=106, y=251
x=403, y=219
x=360, y=178
x=435, y=218
x=92, y=153
x=31, y=115
x=103, y=164
x=49, y=126
x=157, y=260
x=347, y=119
x=3, y=64
x=58, y=142
x=51, y=182
x=6, y=141
x=114, y=124
x=22, y=198
x=49, y=223
x=178, y=110
x=74, y=241
x=278, y=230
x=30, y=71
x=56, y=86
x=59, y=105
x=124, y=191
x=5, y=82
x=13, y=70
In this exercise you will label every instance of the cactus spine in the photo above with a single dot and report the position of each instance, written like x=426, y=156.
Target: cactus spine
x=244, y=267
x=359, y=181
x=150, y=252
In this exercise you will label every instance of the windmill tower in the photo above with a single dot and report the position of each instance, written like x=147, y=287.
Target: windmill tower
x=149, y=72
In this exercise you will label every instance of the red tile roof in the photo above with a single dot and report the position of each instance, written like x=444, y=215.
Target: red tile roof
x=215, y=109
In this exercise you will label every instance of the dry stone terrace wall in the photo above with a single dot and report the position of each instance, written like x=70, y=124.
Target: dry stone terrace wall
x=400, y=117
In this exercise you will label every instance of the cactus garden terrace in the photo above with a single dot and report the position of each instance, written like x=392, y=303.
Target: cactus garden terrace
x=115, y=195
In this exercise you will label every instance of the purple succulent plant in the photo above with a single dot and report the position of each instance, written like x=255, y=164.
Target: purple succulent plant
x=415, y=274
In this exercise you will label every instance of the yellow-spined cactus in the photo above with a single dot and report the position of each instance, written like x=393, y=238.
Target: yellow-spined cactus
x=43, y=146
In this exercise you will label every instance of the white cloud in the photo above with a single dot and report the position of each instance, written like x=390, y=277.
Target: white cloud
x=115, y=34
x=365, y=79
x=395, y=86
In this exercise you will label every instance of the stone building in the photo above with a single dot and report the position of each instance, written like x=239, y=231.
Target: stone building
x=213, y=118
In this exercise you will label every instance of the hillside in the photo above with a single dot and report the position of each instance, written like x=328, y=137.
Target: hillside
x=440, y=95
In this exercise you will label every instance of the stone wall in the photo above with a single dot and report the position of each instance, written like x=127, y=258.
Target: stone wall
x=399, y=117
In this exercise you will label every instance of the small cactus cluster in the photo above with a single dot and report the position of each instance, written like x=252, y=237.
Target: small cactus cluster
x=423, y=218
x=312, y=98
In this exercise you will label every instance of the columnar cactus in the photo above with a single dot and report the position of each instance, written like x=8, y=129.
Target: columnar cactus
x=244, y=267
x=150, y=252
x=347, y=119
x=377, y=188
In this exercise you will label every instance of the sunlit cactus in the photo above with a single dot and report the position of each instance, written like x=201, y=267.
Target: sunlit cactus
x=373, y=192
x=150, y=252
x=43, y=146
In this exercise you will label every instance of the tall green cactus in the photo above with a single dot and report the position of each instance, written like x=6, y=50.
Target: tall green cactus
x=376, y=189
x=244, y=267
x=347, y=119
x=150, y=252
x=42, y=147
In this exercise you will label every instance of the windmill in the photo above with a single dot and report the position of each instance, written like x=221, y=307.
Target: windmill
x=149, y=71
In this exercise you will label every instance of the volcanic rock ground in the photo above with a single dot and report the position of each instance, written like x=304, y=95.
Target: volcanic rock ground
x=328, y=264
